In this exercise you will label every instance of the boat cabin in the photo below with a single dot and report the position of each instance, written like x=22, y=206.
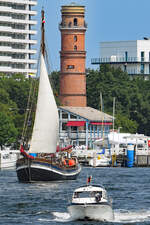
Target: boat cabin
x=89, y=194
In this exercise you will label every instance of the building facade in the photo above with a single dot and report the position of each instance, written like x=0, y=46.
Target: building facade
x=82, y=125
x=72, y=56
x=16, y=37
x=132, y=57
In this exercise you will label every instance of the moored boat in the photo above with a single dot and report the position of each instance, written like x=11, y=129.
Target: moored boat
x=8, y=158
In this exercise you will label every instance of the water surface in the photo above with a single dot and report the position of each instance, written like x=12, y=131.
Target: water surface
x=46, y=203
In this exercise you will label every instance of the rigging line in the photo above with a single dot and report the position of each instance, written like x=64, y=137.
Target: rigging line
x=33, y=94
x=26, y=114
x=29, y=105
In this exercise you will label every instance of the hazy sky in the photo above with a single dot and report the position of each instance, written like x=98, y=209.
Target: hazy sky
x=108, y=20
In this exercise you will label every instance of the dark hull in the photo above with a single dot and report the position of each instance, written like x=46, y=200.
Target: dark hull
x=32, y=172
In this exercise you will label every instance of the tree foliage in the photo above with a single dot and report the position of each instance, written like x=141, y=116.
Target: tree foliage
x=132, y=98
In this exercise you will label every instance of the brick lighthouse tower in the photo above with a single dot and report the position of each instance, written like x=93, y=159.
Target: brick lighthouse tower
x=72, y=56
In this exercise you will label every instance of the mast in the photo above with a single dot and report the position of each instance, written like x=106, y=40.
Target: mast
x=42, y=33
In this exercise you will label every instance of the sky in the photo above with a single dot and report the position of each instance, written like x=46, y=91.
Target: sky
x=108, y=20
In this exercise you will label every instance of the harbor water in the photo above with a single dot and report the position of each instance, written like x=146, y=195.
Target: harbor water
x=46, y=203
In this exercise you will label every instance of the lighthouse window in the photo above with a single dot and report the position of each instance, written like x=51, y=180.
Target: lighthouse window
x=70, y=67
x=75, y=22
x=75, y=38
x=75, y=48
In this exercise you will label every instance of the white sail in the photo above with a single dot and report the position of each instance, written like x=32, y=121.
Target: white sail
x=46, y=125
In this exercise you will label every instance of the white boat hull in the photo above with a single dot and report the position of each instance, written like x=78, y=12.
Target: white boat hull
x=99, y=162
x=100, y=212
x=8, y=159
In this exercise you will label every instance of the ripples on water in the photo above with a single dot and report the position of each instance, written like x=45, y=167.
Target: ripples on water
x=46, y=203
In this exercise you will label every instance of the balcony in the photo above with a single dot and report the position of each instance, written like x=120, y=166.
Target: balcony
x=6, y=69
x=30, y=2
x=80, y=135
x=11, y=40
x=14, y=50
x=10, y=10
x=12, y=60
x=119, y=60
x=11, y=30
x=9, y=19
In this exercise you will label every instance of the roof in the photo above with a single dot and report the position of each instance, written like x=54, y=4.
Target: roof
x=90, y=188
x=74, y=4
x=88, y=113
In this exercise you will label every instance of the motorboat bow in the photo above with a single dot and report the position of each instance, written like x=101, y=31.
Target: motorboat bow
x=92, y=203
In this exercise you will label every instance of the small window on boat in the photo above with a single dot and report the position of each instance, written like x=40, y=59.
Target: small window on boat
x=87, y=194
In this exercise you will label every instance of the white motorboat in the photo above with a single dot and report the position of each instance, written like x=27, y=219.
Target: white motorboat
x=91, y=203
x=100, y=160
x=8, y=158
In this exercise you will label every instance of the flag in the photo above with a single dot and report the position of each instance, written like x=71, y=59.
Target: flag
x=43, y=21
x=89, y=179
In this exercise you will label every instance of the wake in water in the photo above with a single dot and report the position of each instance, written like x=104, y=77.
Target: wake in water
x=124, y=216
x=120, y=216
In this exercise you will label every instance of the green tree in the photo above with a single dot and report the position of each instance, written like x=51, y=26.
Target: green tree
x=8, y=132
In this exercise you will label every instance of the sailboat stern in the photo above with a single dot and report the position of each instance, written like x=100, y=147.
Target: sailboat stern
x=34, y=170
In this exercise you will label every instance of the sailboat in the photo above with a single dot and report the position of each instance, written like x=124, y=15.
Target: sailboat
x=41, y=162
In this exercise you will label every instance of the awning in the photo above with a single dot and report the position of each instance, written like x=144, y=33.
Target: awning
x=75, y=123
x=101, y=123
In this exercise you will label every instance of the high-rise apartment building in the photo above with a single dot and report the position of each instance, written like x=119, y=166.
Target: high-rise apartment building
x=16, y=37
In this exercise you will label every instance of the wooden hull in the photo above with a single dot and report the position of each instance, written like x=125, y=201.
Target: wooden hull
x=32, y=171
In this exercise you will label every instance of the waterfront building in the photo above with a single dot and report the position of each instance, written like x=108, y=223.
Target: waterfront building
x=83, y=125
x=132, y=57
x=16, y=37
x=72, y=56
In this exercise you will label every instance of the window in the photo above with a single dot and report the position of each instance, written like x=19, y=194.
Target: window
x=75, y=48
x=64, y=115
x=75, y=22
x=70, y=67
x=75, y=38
x=125, y=68
x=63, y=126
x=72, y=116
x=142, y=56
x=70, y=23
x=126, y=56
x=142, y=68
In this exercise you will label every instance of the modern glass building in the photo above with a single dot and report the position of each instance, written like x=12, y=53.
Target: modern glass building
x=132, y=57
x=17, y=37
